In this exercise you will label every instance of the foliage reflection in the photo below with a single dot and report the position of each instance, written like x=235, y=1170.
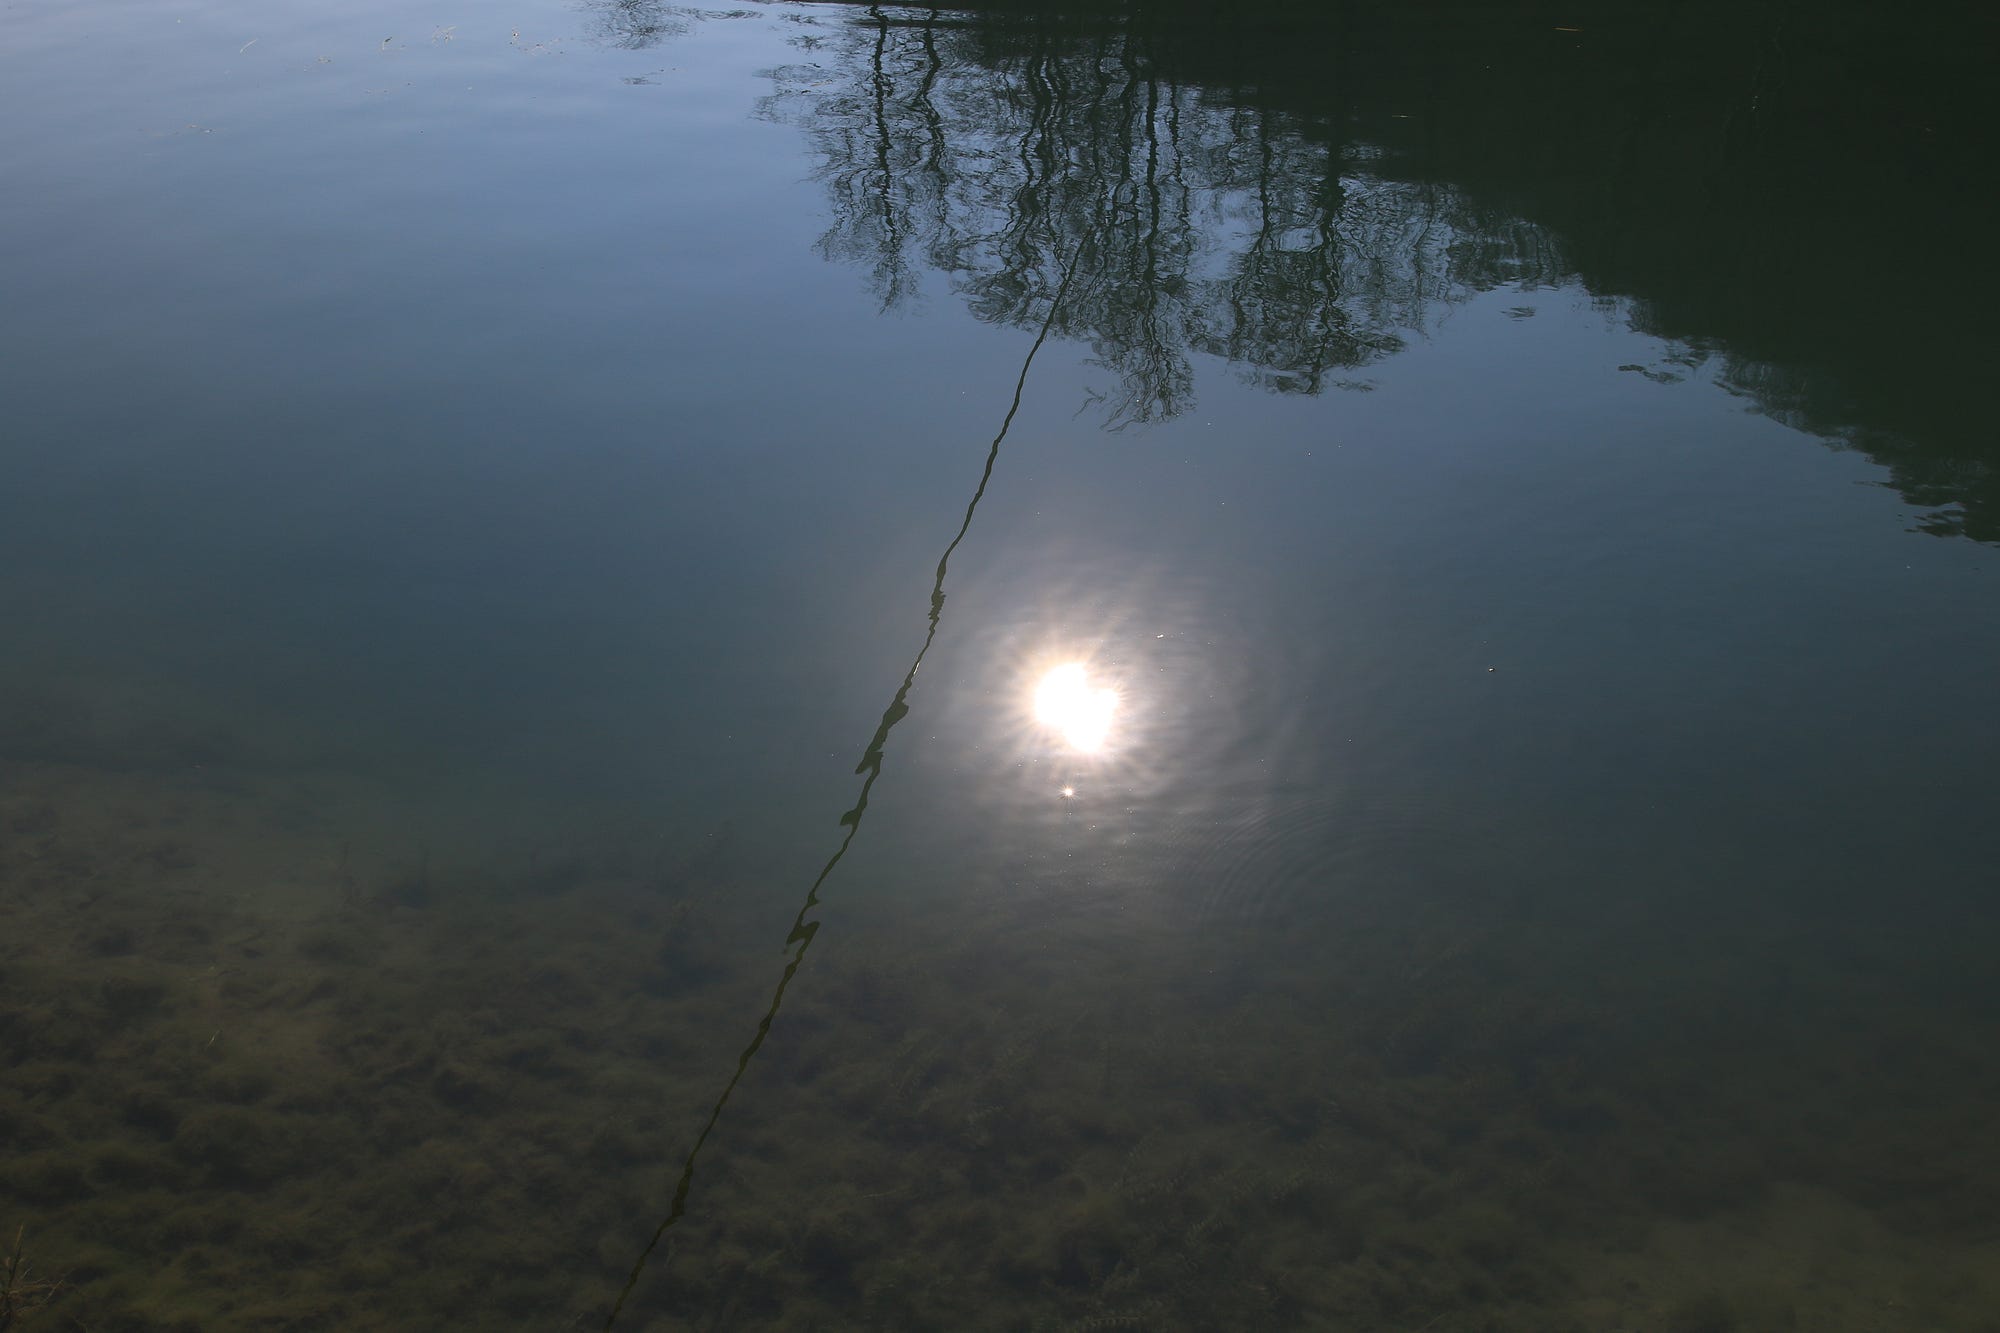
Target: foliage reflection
x=1299, y=188
x=992, y=150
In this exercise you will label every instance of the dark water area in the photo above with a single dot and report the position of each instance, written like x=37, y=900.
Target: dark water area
x=1041, y=666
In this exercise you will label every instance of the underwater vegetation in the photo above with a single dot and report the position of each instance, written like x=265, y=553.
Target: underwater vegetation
x=252, y=1078
x=23, y=1291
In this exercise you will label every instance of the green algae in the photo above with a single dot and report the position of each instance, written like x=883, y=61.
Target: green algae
x=413, y=1095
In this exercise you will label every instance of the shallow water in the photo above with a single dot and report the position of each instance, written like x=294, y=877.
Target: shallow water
x=530, y=535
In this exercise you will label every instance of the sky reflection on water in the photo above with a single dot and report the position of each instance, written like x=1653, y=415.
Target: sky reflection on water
x=480, y=493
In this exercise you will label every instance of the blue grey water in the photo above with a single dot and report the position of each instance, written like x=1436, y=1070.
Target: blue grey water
x=1529, y=536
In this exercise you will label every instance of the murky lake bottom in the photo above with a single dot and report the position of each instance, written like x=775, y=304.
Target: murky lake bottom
x=256, y=1081
x=830, y=666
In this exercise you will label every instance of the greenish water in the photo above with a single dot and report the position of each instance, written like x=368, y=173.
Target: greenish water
x=1040, y=667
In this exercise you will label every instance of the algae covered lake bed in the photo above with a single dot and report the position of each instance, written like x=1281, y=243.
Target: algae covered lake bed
x=395, y=1101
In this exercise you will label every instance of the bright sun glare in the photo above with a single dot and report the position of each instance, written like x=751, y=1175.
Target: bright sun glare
x=1080, y=712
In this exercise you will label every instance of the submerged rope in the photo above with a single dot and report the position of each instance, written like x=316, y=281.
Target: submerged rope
x=800, y=937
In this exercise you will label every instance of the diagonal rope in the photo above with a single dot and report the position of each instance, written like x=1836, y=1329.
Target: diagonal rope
x=799, y=939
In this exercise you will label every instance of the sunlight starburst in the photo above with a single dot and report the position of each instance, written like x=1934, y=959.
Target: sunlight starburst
x=1069, y=704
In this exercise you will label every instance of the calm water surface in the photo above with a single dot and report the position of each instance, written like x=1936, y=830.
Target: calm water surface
x=1038, y=667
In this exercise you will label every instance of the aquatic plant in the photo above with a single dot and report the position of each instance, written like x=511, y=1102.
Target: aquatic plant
x=23, y=1292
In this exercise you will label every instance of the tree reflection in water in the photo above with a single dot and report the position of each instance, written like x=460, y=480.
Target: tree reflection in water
x=993, y=152
x=1297, y=188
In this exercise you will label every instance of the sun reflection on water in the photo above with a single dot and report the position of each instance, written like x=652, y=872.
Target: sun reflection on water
x=1068, y=703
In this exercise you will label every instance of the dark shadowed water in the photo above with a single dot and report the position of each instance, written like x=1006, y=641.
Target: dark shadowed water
x=1049, y=666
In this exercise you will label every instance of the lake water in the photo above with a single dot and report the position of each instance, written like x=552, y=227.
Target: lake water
x=1051, y=666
